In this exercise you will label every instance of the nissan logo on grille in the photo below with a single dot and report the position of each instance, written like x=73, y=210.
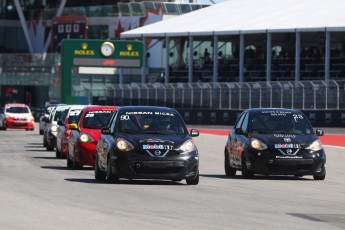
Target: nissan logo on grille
x=158, y=152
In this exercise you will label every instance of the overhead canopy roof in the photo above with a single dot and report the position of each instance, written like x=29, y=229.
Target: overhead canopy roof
x=250, y=16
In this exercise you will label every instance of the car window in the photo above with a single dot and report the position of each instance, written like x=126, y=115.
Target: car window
x=239, y=121
x=60, y=114
x=165, y=123
x=112, y=123
x=96, y=119
x=20, y=109
x=244, y=125
x=284, y=122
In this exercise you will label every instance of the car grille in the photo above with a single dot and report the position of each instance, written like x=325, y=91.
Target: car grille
x=291, y=164
x=158, y=167
x=163, y=153
x=19, y=124
x=19, y=119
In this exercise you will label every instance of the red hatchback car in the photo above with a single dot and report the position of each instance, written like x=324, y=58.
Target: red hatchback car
x=84, y=135
x=18, y=116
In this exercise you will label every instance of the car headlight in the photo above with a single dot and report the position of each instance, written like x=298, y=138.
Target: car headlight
x=86, y=138
x=54, y=128
x=123, y=145
x=31, y=118
x=257, y=144
x=188, y=146
x=315, y=146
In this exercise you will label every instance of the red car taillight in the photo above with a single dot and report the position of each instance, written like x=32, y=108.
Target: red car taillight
x=68, y=133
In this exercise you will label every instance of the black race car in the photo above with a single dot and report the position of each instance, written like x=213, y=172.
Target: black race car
x=147, y=142
x=274, y=142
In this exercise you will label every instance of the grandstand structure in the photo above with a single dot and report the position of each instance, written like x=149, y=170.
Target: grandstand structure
x=196, y=55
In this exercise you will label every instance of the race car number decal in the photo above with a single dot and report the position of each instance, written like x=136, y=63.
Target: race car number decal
x=92, y=113
x=74, y=112
x=297, y=116
x=124, y=117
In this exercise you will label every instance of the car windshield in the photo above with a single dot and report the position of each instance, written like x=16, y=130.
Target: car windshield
x=60, y=114
x=165, y=123
x=48, y=110
x=280, y=122
x=97, y=119
x=74, y=115
x=17, y=110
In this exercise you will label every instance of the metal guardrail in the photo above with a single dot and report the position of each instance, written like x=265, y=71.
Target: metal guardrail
x=304, y=95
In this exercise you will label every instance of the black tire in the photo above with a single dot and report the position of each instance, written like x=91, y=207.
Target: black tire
x=229, y=171
x=320, y=177
x=99, y=175
x=50, y=148
x=58, y=153
x=69, y=162
x=44, y=142
x=75, y=164
x=111, y=176
x=317, y=177
x=41, y=132
x=246, y=173
x=193, y=181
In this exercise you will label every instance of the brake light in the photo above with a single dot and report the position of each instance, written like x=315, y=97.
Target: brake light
x=68, y=132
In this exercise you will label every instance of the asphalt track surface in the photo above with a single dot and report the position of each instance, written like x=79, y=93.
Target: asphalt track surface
x=37, y=191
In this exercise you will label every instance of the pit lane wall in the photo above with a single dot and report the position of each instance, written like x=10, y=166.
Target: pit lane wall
x=318, y=118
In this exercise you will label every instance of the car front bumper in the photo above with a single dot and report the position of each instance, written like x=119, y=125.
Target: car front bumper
x=86, y=153
x=20, y=125
x=136, y=166
x=311, y=163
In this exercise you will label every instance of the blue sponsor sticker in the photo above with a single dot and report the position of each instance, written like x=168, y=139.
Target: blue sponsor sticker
x=287, y=146
x=167, y=147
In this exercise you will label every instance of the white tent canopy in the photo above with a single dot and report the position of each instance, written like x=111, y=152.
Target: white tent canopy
x=250, y=16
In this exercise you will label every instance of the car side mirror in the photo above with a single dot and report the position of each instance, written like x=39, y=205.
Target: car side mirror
x=73, y=126
x=319, y=132
x=194, y=133
x=106, y=131
x=239, y=131
x=60, y=122
x=45, y=119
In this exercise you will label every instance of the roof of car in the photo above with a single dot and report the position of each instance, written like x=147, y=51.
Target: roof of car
x=99, y=107
x=16, y=105
x=272, y=109
x=147, y=108
x=62, y=107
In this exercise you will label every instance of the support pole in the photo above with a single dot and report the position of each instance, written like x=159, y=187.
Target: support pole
x=24, y=25
x=215, y=58
x=167, y=47
x=269, y=57
x=190, y=66
x=143, y=68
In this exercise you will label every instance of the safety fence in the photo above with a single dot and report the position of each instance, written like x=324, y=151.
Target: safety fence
x=304, y=95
